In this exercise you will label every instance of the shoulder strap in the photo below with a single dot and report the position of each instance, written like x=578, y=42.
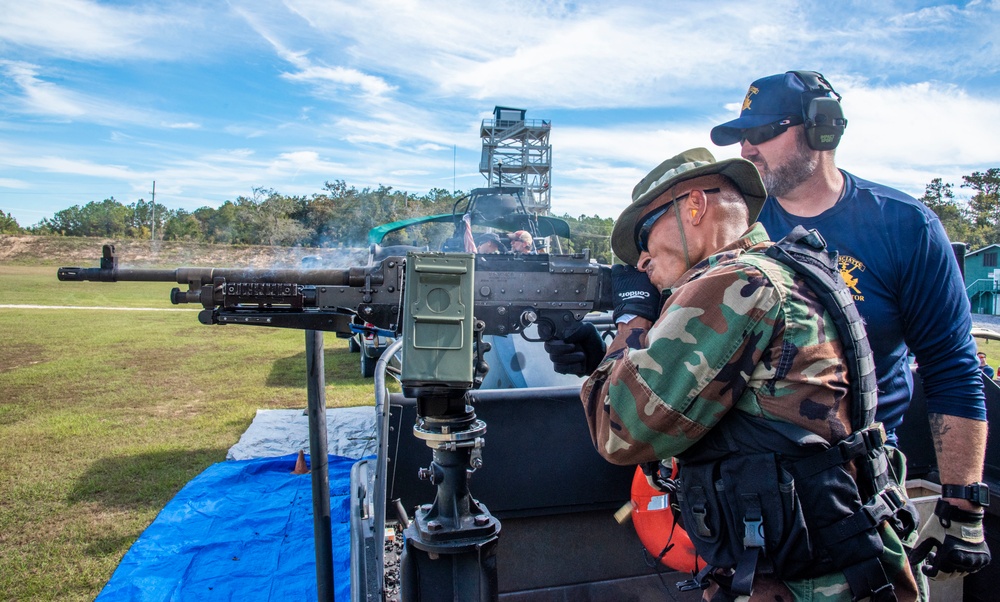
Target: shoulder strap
x=804, y=251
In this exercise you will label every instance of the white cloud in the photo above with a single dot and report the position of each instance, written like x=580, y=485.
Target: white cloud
x=87, y=30
x=381, y=92
x=41, y=97
x=68, y=166
x=908, y=134
x=640, y=54
x=340, y=77
x=71, y=27
x=14, y=183
x=327, y=80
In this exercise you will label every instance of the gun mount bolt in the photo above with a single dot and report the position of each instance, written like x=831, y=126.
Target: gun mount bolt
x=424, y=473
x=392, y=264
x=434, y=525
x=367, y=311
x=481, y=520
x=392, y=289
x=502, y=310
x=322, y=289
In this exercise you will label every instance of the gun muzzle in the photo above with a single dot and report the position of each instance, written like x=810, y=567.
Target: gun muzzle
x=84, y=274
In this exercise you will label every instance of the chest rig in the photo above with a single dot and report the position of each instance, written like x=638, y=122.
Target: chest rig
x=760, y=496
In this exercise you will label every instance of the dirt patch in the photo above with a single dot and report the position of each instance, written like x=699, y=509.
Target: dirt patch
x=86, y=252
x=18, y=355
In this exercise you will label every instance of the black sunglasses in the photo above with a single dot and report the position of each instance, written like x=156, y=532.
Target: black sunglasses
x=643, y=228
x=763, y=133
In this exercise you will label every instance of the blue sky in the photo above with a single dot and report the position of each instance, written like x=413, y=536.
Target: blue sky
x=212, y=99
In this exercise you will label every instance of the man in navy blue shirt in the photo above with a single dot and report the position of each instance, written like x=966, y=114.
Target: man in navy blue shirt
x=987, y=370
x=897, y=260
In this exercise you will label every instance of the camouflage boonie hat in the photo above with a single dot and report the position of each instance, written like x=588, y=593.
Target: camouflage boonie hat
x=688, y=165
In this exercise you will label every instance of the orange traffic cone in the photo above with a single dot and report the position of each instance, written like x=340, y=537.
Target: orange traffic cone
x=300, y=464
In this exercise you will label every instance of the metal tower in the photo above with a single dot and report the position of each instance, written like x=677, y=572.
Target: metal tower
x=516, y=152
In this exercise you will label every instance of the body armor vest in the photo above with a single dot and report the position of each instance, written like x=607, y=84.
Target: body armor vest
x=763, y=496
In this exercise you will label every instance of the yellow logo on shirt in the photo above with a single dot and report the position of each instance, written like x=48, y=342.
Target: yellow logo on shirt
x=850, y=269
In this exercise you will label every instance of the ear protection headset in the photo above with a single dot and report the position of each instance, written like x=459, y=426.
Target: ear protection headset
x=823, y=116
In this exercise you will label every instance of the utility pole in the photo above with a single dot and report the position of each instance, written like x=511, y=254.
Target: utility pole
x=152, y=222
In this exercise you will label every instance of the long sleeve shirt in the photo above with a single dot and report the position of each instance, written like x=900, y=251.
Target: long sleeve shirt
x=900, y=267
x=739, y=331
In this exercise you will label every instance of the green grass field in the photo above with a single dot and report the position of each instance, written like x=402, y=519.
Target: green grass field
x=105, y=415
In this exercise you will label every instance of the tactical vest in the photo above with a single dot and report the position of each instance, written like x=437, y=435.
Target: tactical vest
x=768, y=497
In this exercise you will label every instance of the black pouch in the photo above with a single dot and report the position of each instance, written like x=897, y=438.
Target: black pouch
x=725, y=511
x=702, y=514
x=762, y=511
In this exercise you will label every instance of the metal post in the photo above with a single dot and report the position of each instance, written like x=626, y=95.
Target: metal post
x=319, y=464
x=152, y=221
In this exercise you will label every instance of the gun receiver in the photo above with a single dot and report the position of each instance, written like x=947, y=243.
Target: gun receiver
x=510, y=292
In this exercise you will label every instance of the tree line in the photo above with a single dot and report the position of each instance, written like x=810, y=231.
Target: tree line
x=976, y=222
x=341, y=215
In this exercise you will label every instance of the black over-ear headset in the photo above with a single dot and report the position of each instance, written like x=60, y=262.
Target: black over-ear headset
x=823, y=116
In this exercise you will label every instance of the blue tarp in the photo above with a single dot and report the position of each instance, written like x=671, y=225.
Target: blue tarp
x=238, y=531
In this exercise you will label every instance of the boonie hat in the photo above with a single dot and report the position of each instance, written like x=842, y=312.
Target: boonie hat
x=688, y=165
x=769, y=100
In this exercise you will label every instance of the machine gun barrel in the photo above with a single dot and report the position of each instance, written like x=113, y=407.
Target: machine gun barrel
x=198, y=276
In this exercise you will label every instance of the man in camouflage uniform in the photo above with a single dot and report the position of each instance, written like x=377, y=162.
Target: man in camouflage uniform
x=738, y=332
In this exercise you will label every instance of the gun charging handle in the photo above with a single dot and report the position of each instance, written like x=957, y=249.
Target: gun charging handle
x=547, y=326
x=204, y=295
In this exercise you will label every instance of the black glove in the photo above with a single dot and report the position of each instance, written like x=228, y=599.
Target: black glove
x=634, y=293
x=579, y=353
x=959, y=540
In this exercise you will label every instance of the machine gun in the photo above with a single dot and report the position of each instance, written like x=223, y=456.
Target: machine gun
x=509, y=292
x=440, y=305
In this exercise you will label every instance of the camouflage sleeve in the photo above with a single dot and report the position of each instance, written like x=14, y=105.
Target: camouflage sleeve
x=655, y=399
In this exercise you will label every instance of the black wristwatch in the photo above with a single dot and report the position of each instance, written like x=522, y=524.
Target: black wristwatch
x=977, y=493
